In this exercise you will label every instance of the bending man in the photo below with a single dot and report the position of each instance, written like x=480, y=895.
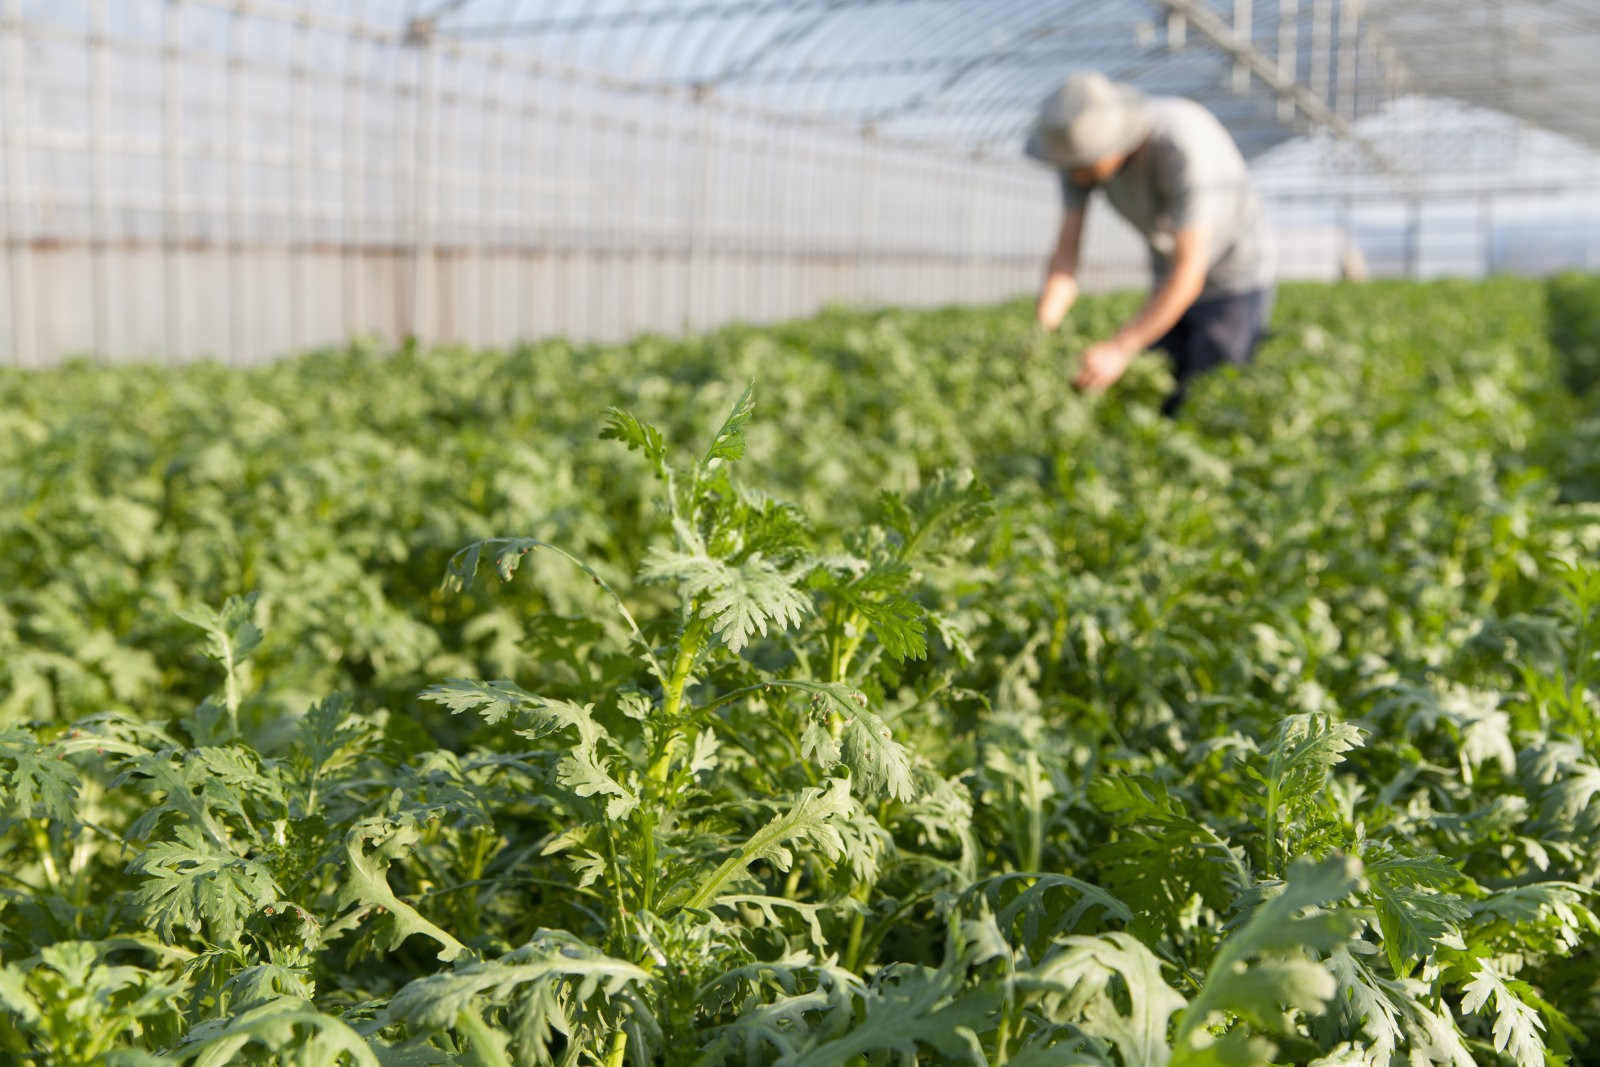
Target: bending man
x=1171, y=169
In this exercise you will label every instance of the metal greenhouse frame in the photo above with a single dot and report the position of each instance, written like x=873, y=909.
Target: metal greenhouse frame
x=239, y=178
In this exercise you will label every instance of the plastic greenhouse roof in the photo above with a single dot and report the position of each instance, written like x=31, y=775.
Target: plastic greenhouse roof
x=969, y=73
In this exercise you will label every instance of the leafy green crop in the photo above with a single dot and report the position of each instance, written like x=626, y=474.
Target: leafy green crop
x=901, y=707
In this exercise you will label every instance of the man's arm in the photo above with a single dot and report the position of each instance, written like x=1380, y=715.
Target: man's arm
x=1060, y=287
x=1105, y=361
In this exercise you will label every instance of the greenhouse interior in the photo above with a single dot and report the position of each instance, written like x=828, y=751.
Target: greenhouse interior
x=810, y=533
x=240, y=180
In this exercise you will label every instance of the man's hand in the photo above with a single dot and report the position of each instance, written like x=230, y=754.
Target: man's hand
x=1102, y=364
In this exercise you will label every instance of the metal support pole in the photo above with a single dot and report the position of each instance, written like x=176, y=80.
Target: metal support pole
x=1288, y=52
x=424, y=197
x=491, y=188
x=352, y=162
x=866, y=209
x=1310, y=103
x=18, y=192
x=1244, y=30
x=100, y=179
x=1413, y=238
x=1349, y=53
x=172, y=185
x=299, y=228
x=973, y=197
x=1486, y=232
x=632, y=258
x=1321, y=41
x=694, y=276
x=599, y=228
x=233, y=151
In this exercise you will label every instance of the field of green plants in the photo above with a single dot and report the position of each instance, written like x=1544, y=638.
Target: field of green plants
x=843, y=692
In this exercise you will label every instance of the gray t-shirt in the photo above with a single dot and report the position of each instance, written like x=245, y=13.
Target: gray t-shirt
x=1190, y=171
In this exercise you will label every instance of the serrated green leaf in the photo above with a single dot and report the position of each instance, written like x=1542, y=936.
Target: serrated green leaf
x=1518, y=1030
x=189, y=882
x=367, y=884
x=39, y=783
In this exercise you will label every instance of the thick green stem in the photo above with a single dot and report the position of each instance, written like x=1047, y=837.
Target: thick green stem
x=486, y=1050
x=1003, y=1037
x=861, y=892
x=1033, y=805
x=619, y=1049
x=689, y=648
x=671, y=732
x=231, y=686
x=47, y=859
x=850, y=651
x=1272, y=828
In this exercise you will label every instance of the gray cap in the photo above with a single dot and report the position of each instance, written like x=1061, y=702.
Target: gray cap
x=1088, y=118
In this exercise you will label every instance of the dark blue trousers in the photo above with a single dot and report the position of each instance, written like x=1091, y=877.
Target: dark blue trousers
x=1222, y=329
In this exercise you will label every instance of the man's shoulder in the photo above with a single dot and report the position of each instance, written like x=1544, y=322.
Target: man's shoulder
x=1183, y=128
x=1179, y=118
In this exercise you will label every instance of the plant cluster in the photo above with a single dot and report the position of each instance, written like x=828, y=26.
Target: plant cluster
x=902, y=708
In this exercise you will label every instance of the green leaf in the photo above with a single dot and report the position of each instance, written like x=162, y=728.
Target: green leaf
x=14, y=994
x=574, y=970
x=929, y=519
x=1079, y=981
x=200, y=788
x=879, y=594
x=40, y=783
x=281, y=1027
x=637, y=436
x=580, y=772
x=810, y=819
x=190, y=882
x=910, y=1010
x=368, y=883
x=1414, y=913
x=500, y=700
x=329, y=733
x=844, y=730
x=1047, y=906
x=231, y=632
x=728, y=444
x=1518, y=1030
x=743, y=600
x=1262, y=966
x=1304, y=750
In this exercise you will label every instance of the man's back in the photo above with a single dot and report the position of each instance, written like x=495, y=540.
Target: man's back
x=1190, y=171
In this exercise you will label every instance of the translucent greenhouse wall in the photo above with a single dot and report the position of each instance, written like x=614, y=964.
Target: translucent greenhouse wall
x=242, y=179
x=251, y=180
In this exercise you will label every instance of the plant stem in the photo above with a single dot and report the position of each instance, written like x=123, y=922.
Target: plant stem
x=862, y=892
x=231, y=683
x=619, y=1048
x=689, y=646
x=1272, y=826
x=47, y=859
x=1032, y=806
x=1002, y=1037
x=485, y=1049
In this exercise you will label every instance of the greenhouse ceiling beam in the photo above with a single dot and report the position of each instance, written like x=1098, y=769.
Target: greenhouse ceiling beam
x=914, y=65
x=1258, y=127
x=1211, y=26
x=615, y=20
x=1028, y=100
x=783, y=38
x=960, y=72
x=941, y=33
x=420, y=29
